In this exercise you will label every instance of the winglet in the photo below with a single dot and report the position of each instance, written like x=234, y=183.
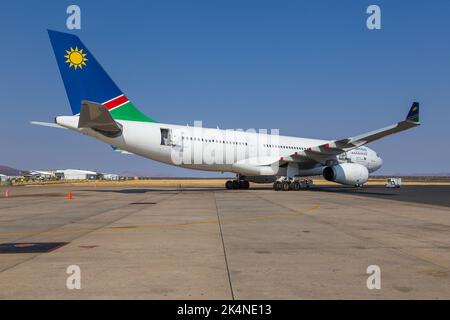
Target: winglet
x=413, y=114
x=115, y=149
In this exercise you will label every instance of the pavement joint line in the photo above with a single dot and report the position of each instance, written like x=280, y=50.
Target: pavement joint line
x=284, y=254
x=290, y=213
x=392, y=214
x=12, y=198
x=410, y=204
x=378, y=243
x=223, y=246
x=398, y=216
x=399, y=249
x=49, y=213
x=49, y=230
x=81, y=235
x=368, y=196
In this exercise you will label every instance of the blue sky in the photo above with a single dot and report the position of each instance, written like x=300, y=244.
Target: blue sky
x=309, y=68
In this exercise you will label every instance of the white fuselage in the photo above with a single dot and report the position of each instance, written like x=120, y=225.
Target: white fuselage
x=244, y=153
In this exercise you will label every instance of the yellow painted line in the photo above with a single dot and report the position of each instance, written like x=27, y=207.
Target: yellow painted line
x=114, y=229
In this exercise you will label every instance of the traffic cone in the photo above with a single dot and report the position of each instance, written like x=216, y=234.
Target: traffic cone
x=69, y=196
x=7, y=193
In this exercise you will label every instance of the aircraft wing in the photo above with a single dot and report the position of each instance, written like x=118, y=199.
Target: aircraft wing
x=120, y=150
x=336, y=147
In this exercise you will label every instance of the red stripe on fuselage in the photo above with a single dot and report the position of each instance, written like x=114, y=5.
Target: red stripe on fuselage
x=115, y=102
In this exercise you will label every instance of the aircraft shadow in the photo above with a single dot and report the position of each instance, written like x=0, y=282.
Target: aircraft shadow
x=352, y=190
x=159, y=190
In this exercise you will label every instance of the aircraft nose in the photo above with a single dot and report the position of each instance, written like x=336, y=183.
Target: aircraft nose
x=379, y=163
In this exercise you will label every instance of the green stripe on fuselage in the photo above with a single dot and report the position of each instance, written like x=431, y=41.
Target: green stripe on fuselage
x=129, y=112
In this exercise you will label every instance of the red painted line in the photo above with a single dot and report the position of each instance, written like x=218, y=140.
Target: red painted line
x=115, y=102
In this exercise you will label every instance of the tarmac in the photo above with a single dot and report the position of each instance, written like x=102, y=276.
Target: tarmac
x=211, y=243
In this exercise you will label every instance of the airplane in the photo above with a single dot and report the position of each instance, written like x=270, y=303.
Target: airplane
x=102, y=111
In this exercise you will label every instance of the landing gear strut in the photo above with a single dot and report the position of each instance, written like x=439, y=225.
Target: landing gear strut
x=237, y=184
x=286, y=184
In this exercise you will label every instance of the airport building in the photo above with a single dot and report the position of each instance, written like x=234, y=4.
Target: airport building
x=59, y=174
x=110, y=176
x=38, y=175
x=75, y=174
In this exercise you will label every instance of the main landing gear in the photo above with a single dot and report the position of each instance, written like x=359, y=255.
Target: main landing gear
x=237, y=184
x=286, y=184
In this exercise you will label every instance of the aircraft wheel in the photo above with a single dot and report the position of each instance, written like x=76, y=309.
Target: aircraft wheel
x=229, y=184
x=277, y=186
x=235, y=184
x=244, y=184
x=296, y=186
x=286, y=186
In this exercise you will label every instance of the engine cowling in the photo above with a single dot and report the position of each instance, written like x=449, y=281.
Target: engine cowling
x=353, y=174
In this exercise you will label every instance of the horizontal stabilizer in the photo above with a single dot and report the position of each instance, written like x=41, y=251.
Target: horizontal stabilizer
x=47, y=124
x=97, y=117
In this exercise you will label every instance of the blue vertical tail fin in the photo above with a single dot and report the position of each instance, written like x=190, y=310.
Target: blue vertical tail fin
x=85, y=79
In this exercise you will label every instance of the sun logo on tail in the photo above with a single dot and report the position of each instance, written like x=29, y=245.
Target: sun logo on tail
x=76, y=58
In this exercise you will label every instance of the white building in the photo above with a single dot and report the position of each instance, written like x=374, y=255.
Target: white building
x=43, y=174
x=75, y=174
x=37, y=175
x=3, y=178
x=110, y=176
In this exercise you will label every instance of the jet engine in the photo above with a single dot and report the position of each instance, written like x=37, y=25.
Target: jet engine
x=353, y=174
